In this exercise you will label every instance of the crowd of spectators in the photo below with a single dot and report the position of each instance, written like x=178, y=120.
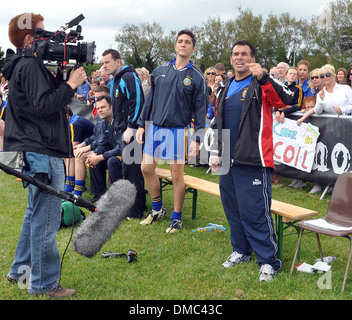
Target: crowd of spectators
x=322, y=90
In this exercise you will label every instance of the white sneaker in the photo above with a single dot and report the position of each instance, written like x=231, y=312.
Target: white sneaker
x=267, y=273
x=300, y=184
x=175, y=225
x=235, y=258
x=153, y=215
x=315, y=189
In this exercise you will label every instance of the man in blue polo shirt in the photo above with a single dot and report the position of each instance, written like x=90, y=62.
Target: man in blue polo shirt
x=245, y=158
x=178, y=94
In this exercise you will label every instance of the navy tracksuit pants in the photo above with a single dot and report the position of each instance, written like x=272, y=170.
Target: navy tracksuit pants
x=98, y=175
x=246, y=198
x=120, y=170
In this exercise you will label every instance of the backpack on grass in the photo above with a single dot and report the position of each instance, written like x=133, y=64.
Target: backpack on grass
x=70, y=213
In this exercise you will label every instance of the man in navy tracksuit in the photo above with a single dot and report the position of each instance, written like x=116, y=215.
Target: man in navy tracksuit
x=107, y=152
x=127, y=101
x=178, y=94
x=244, y=110
x=84, y=149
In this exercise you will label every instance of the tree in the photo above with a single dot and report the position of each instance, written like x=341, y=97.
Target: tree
x=88, y=68
x=333, y=34
x=283, y=39
x=280, y=37
x=144, y=45
x=214, y=40
x=249, y=27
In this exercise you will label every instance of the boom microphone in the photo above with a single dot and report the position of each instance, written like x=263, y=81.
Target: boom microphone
x=67, y=196
x=112, y=208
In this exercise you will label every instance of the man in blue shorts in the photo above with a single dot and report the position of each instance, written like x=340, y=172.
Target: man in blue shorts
x=178, y=94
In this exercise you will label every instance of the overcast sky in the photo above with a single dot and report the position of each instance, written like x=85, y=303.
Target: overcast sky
x=103, y=19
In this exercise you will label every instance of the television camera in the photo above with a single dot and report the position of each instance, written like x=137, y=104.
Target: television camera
x=60, y=47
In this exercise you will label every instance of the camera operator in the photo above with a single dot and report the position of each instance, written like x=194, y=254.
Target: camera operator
x=36, y=125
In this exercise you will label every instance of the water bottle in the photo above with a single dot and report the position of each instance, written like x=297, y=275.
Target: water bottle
x=210, y=228
x=203, y=229
x=326, y=259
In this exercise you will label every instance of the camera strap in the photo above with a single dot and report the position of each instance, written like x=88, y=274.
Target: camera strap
x=26, y=52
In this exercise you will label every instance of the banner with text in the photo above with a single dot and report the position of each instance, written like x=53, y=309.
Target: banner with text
x=333, y=150
x=295, y=145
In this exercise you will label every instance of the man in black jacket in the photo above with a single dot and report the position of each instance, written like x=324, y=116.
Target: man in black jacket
x=36, y=125
x=127, y=101
x=244, y=110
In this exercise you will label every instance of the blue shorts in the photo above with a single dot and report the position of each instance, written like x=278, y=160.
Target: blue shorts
x=169, y=143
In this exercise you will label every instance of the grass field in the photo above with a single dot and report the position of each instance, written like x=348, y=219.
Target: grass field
x=182, y=266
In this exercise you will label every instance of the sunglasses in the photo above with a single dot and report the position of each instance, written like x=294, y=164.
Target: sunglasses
x=328, y=75
x=314, y=77
x=211, y=73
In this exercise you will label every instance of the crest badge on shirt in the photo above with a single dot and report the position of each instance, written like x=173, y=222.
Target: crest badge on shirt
x=117, y=93
x=244, y=92
x=187, y=81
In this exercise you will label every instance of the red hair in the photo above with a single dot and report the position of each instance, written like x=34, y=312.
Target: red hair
x=307, y=100
x=21, y=26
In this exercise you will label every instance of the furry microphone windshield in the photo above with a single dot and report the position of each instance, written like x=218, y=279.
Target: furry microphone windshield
x=112, y=208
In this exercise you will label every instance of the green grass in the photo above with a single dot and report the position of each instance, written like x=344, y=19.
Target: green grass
x=176, y=266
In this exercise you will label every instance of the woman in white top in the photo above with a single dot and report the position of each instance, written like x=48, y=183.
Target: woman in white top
x=333, y=99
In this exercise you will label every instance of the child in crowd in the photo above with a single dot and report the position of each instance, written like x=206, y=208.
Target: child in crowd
x=308, y=103
x=91, y=96
x=292, y=77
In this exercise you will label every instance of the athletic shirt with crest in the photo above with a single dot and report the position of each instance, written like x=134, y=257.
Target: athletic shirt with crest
x=233, y=108
x=176, y=96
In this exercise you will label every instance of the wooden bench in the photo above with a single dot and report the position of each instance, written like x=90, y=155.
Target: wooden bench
x=286, y=215
x=193, y=185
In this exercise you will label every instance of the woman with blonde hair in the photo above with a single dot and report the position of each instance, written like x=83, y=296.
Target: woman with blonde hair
x=316, y=81
x=210, y=75
x=333, y=98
